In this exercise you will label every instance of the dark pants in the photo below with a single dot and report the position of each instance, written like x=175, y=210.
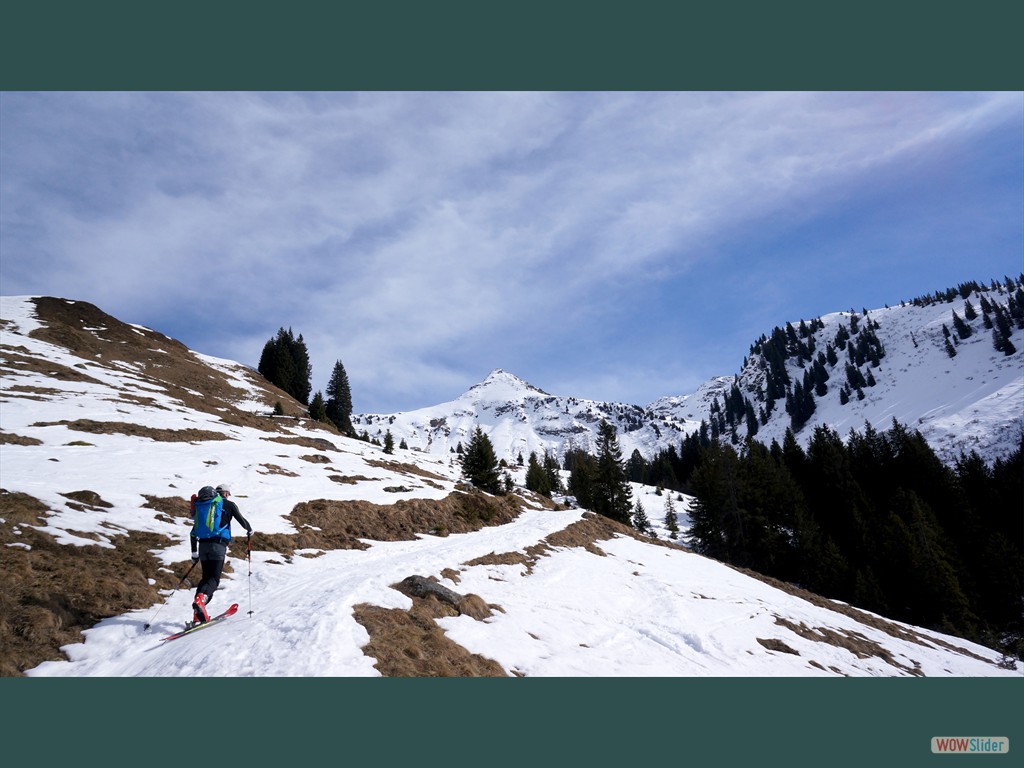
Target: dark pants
x=211, y=558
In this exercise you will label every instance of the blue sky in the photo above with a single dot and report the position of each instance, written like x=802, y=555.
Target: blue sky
x=614, y=246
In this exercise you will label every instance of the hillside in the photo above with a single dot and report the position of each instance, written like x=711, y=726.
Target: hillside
x=520, y=418
x=363, y=563
x=931, y=364
x=888, y=363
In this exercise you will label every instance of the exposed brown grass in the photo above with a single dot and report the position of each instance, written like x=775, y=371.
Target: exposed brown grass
x=8, y=438
x=50, y=592
x=136, y=430
x=585, y=533
x=316, y=443
x=17, y=360
x=854, y=642
x=43, y=393
x=104, y=341
x=870, y=620
x=404, y=468
x=85, y=500
x=350, y=479
x=170, y=506
x=273, y=469
x=337, y=524
x=773, y=644
x=411, y=644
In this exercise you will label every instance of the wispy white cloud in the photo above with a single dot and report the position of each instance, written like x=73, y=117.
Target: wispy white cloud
x=411, y=234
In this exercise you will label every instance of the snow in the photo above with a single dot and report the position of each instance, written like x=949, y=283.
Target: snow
x=641, y=609
x=974, y=401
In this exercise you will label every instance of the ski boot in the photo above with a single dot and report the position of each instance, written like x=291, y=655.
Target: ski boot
x=199, y=613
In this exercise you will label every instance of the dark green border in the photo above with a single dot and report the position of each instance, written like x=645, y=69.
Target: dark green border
x=527, y=44
x=685, y=721
x=460, y=45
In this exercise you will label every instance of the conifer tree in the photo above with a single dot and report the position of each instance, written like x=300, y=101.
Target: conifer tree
x=317, y=412
x=480, y=464
x=752, y=422
x=276, y=363
x=284, y=362
x=582, y=476
x=303, y=368
x=830, y=355
x=636, y=467
x=715, y=522
x=1001, y=343
x=612, y=495
x=550, y=466
x=339, y=399
x=963, y=329
x=640, y=519
x=389, y=442
x=537, y=479
x=671, y=519
x=1003, y=331
x=801, y=406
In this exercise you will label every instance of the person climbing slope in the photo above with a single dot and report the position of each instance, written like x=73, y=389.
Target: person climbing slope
x=212, y=513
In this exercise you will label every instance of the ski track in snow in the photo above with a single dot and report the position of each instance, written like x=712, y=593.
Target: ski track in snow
x=639, y=610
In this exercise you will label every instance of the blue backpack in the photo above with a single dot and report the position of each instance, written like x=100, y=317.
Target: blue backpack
x=208, y=506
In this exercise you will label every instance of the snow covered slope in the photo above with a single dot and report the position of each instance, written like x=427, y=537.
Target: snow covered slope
x=520, y=418
x=971, y=401
x=111, y=427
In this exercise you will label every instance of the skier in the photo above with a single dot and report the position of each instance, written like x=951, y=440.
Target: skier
x=210, y=544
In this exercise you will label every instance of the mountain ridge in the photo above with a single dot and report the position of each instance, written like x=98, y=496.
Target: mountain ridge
x=970, y=401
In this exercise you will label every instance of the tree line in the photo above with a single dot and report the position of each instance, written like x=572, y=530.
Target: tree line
x=877, y=521
x=285, y=363
x=599, y=482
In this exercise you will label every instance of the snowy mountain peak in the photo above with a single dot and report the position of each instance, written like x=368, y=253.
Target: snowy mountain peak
x=502, y=386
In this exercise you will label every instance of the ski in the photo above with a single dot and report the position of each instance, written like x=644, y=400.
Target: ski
x=215, y=620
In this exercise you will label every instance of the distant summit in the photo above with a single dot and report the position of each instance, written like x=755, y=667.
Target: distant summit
x=502, y=385
x=520, y=419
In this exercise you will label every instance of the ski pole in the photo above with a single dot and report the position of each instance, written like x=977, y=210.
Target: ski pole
x=149, y=623
x=248, y=556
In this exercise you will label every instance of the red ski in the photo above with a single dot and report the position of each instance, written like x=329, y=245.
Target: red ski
x=215, y=620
